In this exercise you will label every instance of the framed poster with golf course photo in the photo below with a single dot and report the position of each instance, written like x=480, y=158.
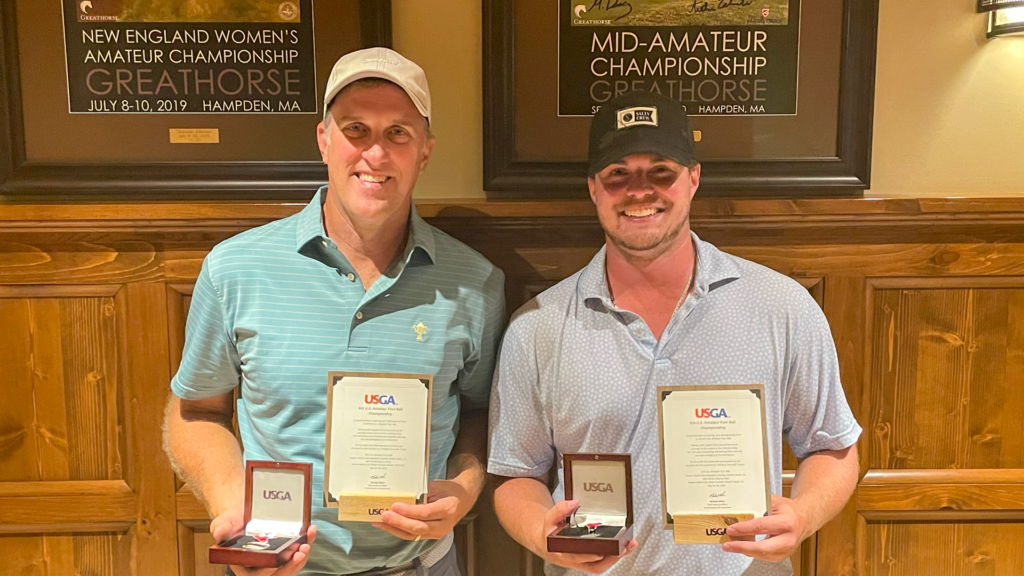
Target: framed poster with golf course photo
x=779, y=92
x=171, y=99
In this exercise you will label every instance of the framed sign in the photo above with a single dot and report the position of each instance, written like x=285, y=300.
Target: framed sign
x=714, y=459
x=171, y=98
x=780, y=92
x=377, y=443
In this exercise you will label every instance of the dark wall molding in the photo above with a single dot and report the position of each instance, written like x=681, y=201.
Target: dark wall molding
x=569, y=223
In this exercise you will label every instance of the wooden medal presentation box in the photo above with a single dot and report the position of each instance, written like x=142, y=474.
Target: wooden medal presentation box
x=603, y=523
x=277, y=509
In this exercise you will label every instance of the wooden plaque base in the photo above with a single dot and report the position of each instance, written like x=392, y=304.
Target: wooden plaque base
x=706, y=528
x=368, y=507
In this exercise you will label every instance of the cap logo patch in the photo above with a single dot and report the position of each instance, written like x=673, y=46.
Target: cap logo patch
x=382, y=60
x=638, y=115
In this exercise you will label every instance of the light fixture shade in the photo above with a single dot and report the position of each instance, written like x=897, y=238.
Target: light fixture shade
x=989, y=5
x=1006, y=22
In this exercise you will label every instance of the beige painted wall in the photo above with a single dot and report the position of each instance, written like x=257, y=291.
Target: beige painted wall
x=447, y=44
x=949, y=107
x=949, y=103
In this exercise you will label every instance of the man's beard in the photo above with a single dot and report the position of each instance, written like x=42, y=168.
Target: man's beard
x=648, y=241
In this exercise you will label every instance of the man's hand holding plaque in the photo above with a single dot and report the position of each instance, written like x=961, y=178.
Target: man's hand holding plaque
x=785, y=528
x=447, y=502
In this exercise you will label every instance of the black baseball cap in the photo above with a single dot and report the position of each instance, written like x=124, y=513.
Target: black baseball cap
x=639, y=123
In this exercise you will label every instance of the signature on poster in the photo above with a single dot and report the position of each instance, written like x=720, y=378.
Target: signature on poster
x=680, y=12
x=188, y=10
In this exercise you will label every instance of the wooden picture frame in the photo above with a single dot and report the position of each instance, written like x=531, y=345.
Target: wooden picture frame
x=847, y=173
x=23, y=179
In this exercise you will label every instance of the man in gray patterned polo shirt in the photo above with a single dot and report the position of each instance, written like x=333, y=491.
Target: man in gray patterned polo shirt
x=580, y=364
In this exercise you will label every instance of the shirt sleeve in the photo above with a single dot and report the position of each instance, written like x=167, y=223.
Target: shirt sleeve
x=817, y=416
x=210, y=365
x=474, y=380
x=521, y=443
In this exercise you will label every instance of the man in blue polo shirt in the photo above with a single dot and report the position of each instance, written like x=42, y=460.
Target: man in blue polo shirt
x=356, y=281
x=581, y=363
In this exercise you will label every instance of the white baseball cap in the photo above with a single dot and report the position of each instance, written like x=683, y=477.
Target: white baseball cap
x=379, y=63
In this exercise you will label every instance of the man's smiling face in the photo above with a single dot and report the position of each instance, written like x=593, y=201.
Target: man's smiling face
x=643, y=203
x=375, y=146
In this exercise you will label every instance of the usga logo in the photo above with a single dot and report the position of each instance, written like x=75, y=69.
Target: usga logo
x=710, y=412
x=276, y=495
x=378, y=399
x=375, y=511
x=597, y=487
x=715, y=531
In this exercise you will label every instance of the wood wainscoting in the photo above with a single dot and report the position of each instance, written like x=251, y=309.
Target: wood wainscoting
x=925, y=299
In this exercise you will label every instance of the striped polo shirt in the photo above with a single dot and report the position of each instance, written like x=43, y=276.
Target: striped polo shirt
x=277, y=307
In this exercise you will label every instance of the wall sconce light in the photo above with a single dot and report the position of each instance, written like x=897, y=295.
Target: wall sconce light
x=1005, y=17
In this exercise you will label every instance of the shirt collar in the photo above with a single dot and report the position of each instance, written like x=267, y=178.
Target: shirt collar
x=310, y=228
x=713, y=267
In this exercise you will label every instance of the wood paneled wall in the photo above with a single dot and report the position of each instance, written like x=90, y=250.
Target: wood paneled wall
x=925, y=299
